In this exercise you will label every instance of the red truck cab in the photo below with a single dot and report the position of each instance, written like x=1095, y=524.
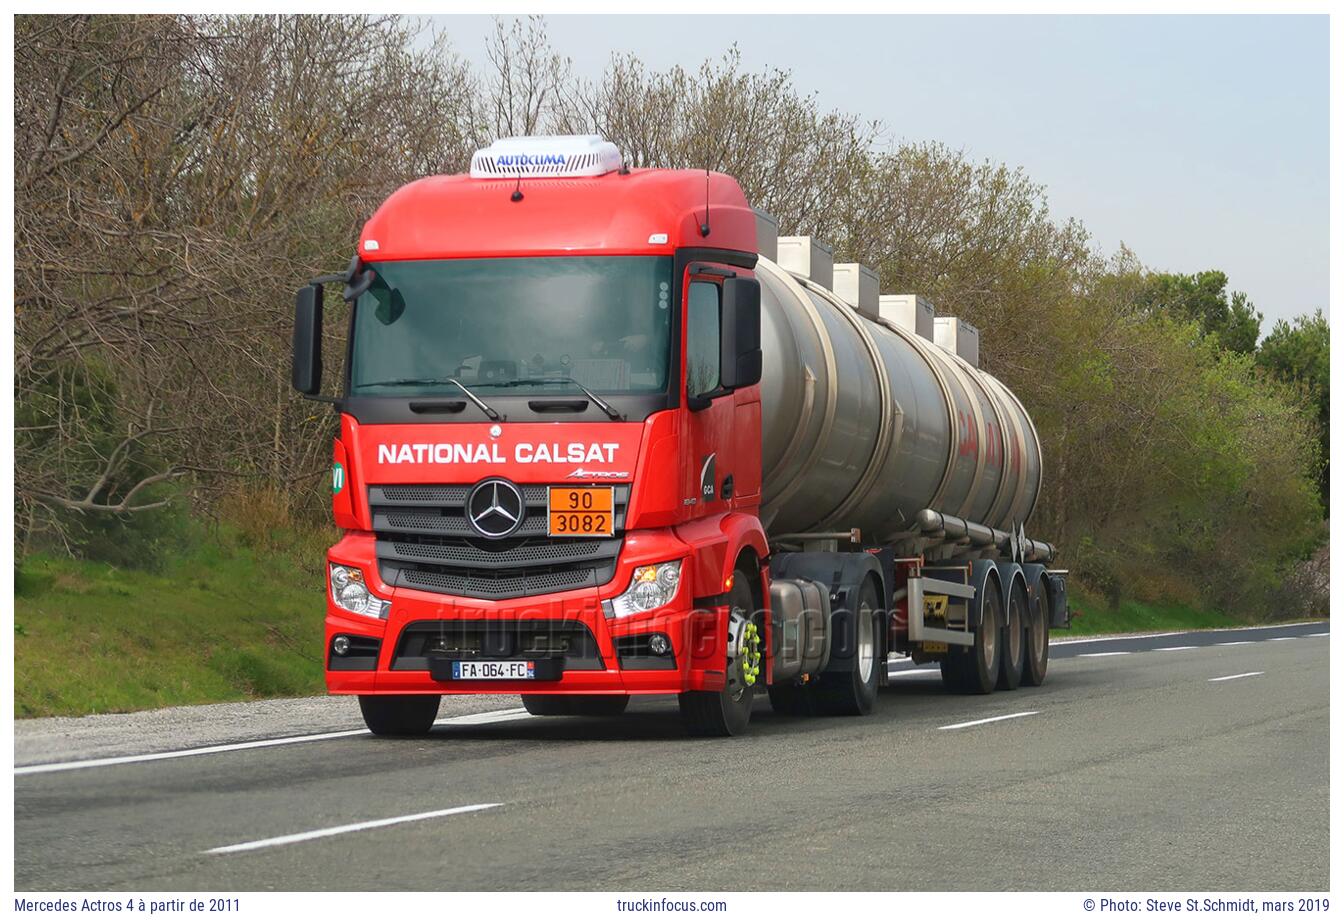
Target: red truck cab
x=548, y=471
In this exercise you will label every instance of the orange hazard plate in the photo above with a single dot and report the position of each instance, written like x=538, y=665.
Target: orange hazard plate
x=589, y=511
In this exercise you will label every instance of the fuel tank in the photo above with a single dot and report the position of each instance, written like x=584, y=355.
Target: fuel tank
x=866, y=422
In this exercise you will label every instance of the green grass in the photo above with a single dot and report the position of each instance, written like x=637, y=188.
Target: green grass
x=237, y=617
x=1095, y=617
x=221, y=622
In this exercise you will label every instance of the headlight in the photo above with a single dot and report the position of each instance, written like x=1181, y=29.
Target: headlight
x=350, y=593
x=651, y=586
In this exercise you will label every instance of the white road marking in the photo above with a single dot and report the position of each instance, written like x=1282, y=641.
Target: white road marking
x=1102, y=654
x=1116, y=638
x=476, y=718
x=1184, y=632
x=914, y=671
x=1281, y=638
x=1214, y=680
x=1242, y=642
x=486, y=718
x=1175, y=648
x=349, y=828
x=1316, y=635
x=1016, y=715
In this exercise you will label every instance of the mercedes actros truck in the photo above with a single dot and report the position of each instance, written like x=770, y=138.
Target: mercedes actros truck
x=605, y=433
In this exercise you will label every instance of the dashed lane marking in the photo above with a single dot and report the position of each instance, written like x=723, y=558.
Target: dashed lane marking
x=349, y=828
x=1016, y=715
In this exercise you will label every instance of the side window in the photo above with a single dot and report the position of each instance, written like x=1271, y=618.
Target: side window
x=702, y=337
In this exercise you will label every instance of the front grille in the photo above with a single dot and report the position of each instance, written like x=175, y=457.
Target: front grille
x=425, y=541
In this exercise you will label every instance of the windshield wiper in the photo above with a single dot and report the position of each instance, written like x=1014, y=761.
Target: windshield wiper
x=432, y=381
x=537, y=381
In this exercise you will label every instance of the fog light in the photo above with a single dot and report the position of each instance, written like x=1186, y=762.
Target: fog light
x=658, y=644
x=340, y=645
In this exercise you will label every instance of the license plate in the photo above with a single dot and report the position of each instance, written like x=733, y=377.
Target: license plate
x=588, y=511
x=494, y=670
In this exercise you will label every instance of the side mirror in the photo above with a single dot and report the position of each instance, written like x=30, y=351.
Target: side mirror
x=740, y=333
x=307, y=368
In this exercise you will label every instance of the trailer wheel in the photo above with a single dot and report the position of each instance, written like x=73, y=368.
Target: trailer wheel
x=975, y=669
x=540, y=704
x=399, y=715
x=854, y=691
x=720, y=713
x=1014, y=639
x=953, y=669
x=1038, y=638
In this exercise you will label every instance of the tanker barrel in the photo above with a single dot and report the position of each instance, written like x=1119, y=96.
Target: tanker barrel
x=866, y=422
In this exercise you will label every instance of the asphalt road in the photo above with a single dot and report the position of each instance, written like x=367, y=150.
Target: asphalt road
x=1191, y=761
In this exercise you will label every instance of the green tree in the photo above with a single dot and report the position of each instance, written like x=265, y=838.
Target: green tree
x=1204, y=299
x=1298, y=353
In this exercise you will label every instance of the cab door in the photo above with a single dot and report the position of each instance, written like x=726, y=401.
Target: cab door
x=708, y=473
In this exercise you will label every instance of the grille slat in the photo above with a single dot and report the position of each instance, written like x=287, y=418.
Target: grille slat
x=425, y=541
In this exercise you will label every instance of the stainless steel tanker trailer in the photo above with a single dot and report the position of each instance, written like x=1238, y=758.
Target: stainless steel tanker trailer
x=879, y=430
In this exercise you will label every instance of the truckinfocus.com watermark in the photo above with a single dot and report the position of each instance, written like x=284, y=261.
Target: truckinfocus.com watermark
x=657, y=905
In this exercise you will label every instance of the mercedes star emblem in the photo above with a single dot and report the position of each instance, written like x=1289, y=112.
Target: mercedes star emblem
x=495, y=508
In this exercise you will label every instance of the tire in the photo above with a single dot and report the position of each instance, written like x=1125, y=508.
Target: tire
x=594, y=706
x=1014, y=639
x=790, y=700
x=399, y=715
x=726, y=712
x=1037, y=655
x=980, y=665
x=853, y=692
x=953, y=668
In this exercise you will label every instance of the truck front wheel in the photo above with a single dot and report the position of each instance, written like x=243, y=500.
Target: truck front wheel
x=720, y=713
x=399, y=715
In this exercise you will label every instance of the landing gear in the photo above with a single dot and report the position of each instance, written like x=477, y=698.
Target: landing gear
x=720, y=713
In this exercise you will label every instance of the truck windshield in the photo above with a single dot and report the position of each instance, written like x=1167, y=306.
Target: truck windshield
x=603, y=321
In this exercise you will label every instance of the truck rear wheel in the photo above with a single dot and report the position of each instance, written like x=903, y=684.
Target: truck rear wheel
x=539, y=704
x=854, y=691
x=790, y=700
x=1014, y=639
x=720, y=713
x=399, y=715
x=1038, y=638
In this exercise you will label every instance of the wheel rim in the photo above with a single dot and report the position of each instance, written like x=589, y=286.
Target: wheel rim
x=744, y=655
x=867, y=649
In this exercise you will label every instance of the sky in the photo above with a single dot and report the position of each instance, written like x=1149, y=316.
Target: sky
x=1198, y=141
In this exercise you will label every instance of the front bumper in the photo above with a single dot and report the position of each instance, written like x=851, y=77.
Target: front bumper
x=603, y=655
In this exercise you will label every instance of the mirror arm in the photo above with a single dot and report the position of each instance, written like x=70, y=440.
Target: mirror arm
x=318, y=397
x=701, y=401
